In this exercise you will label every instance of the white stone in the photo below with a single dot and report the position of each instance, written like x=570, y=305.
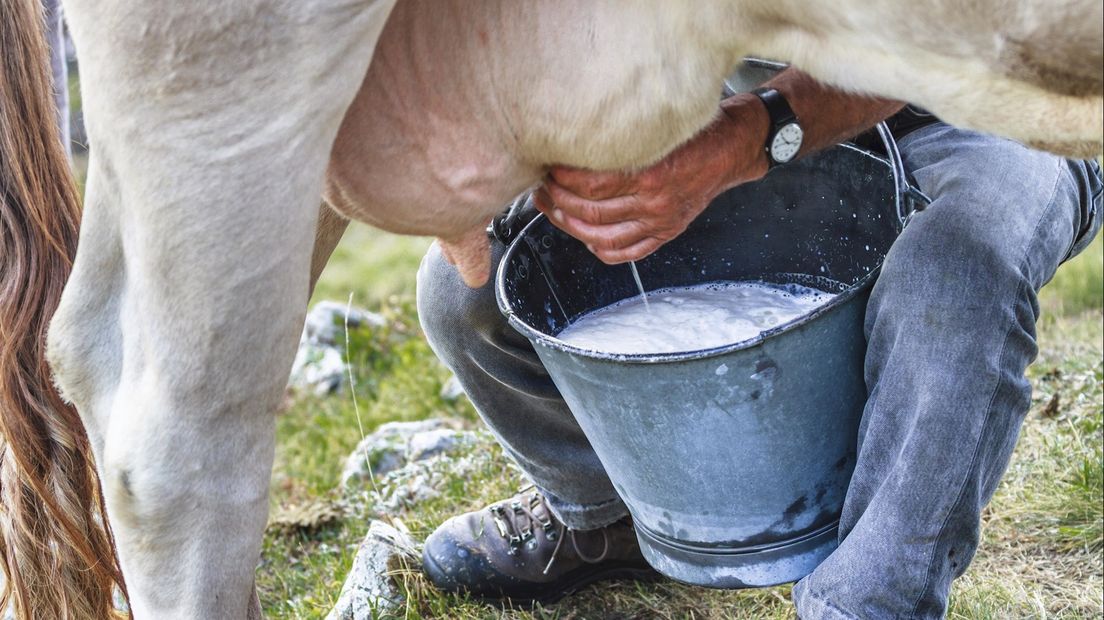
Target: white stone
x=325, y=322
x=452, y=390
x=319, y=365
x=388, y=444
x=431, y=443
x=369, y=592
x=321, y=370
x=422, y=480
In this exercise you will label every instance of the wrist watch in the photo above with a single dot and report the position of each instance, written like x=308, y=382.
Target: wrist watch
x=785, y=135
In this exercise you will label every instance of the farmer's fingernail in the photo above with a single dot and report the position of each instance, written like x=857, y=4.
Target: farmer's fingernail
x=557, y=215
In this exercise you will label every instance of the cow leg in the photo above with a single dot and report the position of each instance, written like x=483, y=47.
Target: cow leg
x=210, y=135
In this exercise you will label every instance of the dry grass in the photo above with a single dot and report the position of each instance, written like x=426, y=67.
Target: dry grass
x=1041, y=549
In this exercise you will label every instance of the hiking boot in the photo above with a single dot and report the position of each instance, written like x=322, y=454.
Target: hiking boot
x=517, y=549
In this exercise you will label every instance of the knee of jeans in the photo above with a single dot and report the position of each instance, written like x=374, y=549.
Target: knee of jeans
x=450, y=312
x=436, y=290
x=949, y=269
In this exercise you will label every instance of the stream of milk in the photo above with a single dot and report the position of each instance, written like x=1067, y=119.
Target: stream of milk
x=692, y=318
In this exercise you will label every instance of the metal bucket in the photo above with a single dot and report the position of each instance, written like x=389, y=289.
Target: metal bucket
x=733, y=461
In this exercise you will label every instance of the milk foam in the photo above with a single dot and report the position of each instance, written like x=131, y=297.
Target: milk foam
x=692, y=318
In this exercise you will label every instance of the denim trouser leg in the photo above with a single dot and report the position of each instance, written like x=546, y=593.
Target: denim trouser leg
x=514, y=395
x=951, y=329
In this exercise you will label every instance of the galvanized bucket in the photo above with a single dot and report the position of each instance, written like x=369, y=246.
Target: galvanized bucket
x=733, y=461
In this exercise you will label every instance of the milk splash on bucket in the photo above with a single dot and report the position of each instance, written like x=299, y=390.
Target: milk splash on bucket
x=692, y=318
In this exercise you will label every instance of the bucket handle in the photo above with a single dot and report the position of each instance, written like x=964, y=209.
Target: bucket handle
x=910, y=200
x=506, y=226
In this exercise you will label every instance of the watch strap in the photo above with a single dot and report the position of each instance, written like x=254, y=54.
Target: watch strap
x=778, y=108
x=780, y=114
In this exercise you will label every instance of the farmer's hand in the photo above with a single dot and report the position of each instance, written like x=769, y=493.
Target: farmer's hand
x=624, y=216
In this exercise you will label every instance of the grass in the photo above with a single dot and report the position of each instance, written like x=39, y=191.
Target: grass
x=1041, y=546
x=398, y=378
x=1043, y=534
x=371, y=265
x=1078, y=286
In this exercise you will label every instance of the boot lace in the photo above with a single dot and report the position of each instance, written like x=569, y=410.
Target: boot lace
x=517, y=521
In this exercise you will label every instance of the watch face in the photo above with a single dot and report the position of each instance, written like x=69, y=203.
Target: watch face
x=786, y=142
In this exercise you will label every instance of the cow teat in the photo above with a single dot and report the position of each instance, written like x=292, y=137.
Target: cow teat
x=470, y=253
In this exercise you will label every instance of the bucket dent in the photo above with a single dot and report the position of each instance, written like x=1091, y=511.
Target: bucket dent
x=734, y=461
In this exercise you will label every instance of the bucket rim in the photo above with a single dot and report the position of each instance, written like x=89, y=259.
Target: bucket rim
x=540, y=338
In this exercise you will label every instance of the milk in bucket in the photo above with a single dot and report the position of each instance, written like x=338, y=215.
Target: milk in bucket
x=692, y=318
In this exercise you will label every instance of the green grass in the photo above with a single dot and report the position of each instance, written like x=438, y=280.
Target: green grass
x=1042, y=537
x=371, y=265
x=1079, y=284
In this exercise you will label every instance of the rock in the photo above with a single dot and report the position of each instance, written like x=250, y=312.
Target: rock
x=120, y=602
x=431, y=443
x=319, y=364
x=419, y=481
x=325, y=322
x=412, y=461
x=369, y=592
x=451, y=390
x=397, y=444
x=412, y=489
x=321, y=370
x=387, y=447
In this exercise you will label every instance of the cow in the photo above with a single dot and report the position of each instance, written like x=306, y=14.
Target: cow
x=142, y=420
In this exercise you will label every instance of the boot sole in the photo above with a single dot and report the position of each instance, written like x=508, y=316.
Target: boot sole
x=556, y=590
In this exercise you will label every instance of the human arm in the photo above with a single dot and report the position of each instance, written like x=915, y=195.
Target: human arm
x=624, y=216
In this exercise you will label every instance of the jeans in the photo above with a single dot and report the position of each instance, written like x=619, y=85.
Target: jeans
x=950, y=328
